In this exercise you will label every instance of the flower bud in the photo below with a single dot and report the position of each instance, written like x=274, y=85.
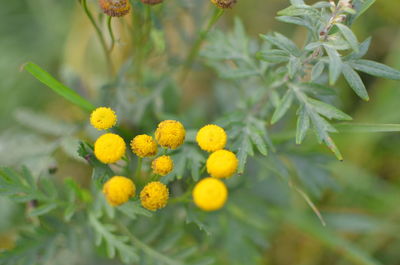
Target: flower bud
x=115, y=8
x=152, y=2
x=224, y=3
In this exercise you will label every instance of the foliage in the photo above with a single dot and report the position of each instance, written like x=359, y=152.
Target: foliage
x=269, y=94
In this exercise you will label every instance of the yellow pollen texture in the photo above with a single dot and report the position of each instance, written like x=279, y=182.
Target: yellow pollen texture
x=144, y=145
x=211, y=138
x=109, y=148
x=119, y=190
x=222, y=164
x=210, y=194
x=170, y=134
x=162, y=165
x=154, y=196
x=103, y=118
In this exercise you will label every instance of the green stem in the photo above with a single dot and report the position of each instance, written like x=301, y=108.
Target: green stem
x=139, y=168
x=99, y=34
x=194, y=51
x=147, y=249
x=110, y=31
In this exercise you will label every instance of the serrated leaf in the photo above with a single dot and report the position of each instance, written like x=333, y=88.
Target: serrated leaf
x=375, y=69
x=355, y=82
x=283, y=106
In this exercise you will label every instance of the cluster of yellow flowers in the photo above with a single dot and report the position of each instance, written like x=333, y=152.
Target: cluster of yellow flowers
x=209, y=194
x=118, y=8
x=110, y=148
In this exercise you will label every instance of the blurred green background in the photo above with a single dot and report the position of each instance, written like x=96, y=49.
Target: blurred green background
x=364, y=209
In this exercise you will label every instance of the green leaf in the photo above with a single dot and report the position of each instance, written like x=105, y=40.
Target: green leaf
x=335, y=64
x=295, y=20
x=328, y=111
x=282, y=42
x=375, y=69
x=349, y=36
x=355, y=82
x=317, y=70
x=303, y=124
x=58, y=87
x=283, y=106
x=273, y=56
x=367, y=128
x=43, y=209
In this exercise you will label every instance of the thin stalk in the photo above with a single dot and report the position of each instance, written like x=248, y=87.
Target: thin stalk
x=139, y=168
x=110, y=31
x=147, y=249
x=194, y=51
x=99, y=35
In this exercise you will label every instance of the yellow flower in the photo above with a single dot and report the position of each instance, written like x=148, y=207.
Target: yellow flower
x=115, y=8
x=170, y=134
x=109, y=148
x=210, y=194
x=211, y=138
x=103, y=118
x=224, y=3
x=222, y=164
x=154, y=196
x=162, y=165
x=119, y=190
x=144, y=145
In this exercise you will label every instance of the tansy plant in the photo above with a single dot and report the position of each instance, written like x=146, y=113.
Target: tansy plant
x=170, y=183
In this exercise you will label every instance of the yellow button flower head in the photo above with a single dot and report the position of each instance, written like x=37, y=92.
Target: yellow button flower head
x=119, y=190
x=224, y=3
x=211, y=138
x=210, y=194
x=154, y=196
x=115, y=8
x=222, y=164
x=103, y=118
x=144, y=145
x=170, y=134
x=162, y=165
x=109, y=148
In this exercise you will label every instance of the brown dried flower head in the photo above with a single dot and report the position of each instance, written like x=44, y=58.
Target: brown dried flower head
x=152, y=2
x=224, y=3
x=115, y=8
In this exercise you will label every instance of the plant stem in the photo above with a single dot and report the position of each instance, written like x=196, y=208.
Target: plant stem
x=99, y=34
x=139, y=168
x=147, y=249
x=110, y=31
x=194, y=51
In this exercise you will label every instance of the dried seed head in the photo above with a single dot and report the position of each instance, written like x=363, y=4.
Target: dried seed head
x=224, y=3
x=152, y=2
x=115, y=8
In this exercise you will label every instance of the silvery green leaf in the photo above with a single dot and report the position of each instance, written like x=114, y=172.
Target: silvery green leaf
x=375, y=69
x=335, y=64
x=349, y=36
x=355, y=82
